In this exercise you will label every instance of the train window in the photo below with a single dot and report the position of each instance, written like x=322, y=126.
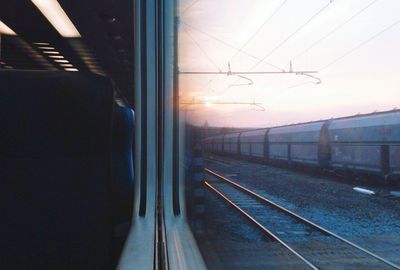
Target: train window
x=292, y=131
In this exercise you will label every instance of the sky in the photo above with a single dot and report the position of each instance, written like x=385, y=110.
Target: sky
x=354, y=46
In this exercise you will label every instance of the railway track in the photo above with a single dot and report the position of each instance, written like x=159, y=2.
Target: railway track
x=218, y=161
x=314, y=245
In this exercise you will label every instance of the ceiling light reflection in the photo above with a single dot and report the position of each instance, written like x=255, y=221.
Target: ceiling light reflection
x=55, y=14
x=71, y=69
x=5, y=30
x=46, y=48
x=61, y=61
x=56, y=56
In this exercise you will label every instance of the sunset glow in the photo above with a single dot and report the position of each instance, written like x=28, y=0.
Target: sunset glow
x=353, y=45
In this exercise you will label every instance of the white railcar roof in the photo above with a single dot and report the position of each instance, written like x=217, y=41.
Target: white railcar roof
x=308, y=127
x=382, y=119
x=254, y=133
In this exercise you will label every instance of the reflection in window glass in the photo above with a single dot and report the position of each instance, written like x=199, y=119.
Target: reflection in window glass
x=294, y=106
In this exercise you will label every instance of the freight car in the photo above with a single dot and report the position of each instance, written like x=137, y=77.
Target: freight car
x=362, y=144
x=252, y=143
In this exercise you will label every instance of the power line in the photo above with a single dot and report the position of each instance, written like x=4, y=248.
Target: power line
x=229, y=73
x=204, y=52
x=287, y=38
x=231, y=46
x=349, y=52
x=336, y=29
x=294, y=33
x=189, y=6
x=260, y=28
x=361, y=44
x=254, y=34
x=240, y=50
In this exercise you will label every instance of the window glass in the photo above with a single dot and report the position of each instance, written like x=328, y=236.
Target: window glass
x=293, y=131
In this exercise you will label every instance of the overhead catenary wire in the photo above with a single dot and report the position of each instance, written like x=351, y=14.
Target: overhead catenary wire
x=235, y=73
x=355, y=15
x=280, y=44
x=291, y=35
x=202, y=50
x=343, y=24
x=358, y=46
x=230, y=45
x=189, y=6
x=269, y=18
x=361, y=44
x=239, y=50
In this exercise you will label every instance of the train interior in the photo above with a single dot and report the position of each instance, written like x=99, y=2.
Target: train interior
x=199, y=134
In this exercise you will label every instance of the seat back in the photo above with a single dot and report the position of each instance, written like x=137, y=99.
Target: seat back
x=55, y=159
x=122, y=164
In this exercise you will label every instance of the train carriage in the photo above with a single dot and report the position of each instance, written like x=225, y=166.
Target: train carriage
x=231, y=143
x=367, y=143
x=218, y=144
x=296, y=143
x=253, y=143
x=208, y=144
x=394, y=161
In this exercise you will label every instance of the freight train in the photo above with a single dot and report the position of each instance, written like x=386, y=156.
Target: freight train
x=367, y=144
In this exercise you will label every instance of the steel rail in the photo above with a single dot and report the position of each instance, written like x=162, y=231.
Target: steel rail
x=217, y=161
x=262, y=227
x=302, y=219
